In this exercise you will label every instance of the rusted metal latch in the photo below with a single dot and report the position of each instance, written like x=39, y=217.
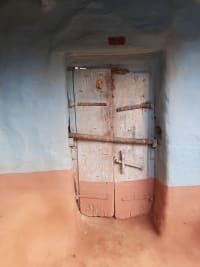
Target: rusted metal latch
x=122, y=162
x=155, y=143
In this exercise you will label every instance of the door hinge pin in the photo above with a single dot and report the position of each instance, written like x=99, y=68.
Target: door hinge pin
x=155, y=143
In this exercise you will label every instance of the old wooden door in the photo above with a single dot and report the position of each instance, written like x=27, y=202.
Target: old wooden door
x=133, y=188
x=111, y=109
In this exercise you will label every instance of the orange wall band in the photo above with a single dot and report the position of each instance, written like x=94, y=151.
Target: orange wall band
x=28, y=194
x=176, y=208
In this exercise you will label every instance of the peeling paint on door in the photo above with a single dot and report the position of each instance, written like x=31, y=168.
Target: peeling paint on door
x=113, y=175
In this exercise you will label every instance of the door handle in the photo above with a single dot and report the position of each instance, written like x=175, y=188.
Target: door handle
x=122, y=156
x=123, y=163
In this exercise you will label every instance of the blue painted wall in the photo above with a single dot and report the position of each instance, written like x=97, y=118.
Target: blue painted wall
x=178, y=109
x=34, y=115
x=33, y=111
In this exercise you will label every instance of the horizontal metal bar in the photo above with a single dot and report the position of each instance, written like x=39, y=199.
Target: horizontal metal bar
x=92, y=197
x=128, y=164
x=137, y=106
x=148, y=198
x=108, y=139
x=89, y=104
x=116, y=70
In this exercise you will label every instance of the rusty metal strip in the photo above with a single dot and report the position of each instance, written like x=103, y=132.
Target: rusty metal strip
x=108, y=139
x=92, y=197
x=149, y=198
x=137, y=106
x=89, y=104
x=128, y=164
x=116, y=70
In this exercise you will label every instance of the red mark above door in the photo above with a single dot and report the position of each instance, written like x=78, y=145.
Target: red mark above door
x=117, y=40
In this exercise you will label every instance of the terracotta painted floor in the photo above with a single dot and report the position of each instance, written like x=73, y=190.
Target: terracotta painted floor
x=40, y=227
x=103, y=243
x=119, y=243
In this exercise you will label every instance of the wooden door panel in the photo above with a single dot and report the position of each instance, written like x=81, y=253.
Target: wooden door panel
x=130, y=123
x=131, y=89
x=85, y=85
x=95, y=160
x=133, y=198
x=93, y=120
x=97, y=199
x=113, y=178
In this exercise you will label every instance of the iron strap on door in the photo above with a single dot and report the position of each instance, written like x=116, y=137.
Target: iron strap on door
x=103, y=197
x=137, y=106
x=116, y=140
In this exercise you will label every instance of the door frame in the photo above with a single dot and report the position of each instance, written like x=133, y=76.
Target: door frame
x=137, y=62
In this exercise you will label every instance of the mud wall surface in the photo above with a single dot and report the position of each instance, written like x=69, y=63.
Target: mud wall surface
x=37, y=203
x=178, y=114
x=177, y=191
x=33, y=110
x=34, y=115
x=183, y=64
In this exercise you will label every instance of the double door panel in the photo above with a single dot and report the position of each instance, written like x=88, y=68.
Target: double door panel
x=112, y=178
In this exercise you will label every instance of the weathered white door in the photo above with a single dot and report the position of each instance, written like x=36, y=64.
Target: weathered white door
x=111, y=108
x=95, y=159
x=133, y=188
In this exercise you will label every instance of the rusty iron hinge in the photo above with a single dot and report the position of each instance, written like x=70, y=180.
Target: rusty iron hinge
x=155, y=143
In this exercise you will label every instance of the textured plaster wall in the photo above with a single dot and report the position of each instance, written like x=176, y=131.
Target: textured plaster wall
x=34, y=115
x=33, y=110
x=178, y=115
